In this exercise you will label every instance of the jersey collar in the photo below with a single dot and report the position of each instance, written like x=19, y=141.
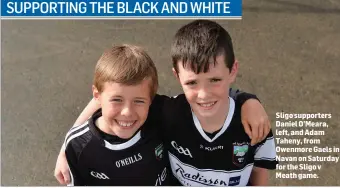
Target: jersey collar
x=225, y=125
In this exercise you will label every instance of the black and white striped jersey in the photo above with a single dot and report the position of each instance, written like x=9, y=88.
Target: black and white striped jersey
x=224, y=159
x=94, y=161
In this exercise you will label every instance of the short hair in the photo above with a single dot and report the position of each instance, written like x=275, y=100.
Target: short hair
x=199, y=41
x=125, y=64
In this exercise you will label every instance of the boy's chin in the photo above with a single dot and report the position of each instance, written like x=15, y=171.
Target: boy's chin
x=205, y=113
x=126, y=134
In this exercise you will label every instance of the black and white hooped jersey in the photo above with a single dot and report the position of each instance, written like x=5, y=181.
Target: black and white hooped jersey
x=94, y=161
x=225, y=159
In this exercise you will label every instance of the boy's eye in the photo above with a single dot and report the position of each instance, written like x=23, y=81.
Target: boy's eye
x=139, y=101
x=215, y=80
x=190, y=83
x=116, y=100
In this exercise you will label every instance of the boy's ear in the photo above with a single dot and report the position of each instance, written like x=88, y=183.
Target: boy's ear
x=175, y=73
x=95, y=94
x=233, y=72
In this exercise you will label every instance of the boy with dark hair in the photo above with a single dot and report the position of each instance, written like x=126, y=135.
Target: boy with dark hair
x=212, y=147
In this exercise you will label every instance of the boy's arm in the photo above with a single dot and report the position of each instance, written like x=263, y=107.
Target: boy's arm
x=61, y=171
x=91, y=108
x=71, y=157
x=254, y=118
x=259, y=177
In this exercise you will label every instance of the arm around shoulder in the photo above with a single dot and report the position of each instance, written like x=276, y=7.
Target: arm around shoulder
x=61, y=171
x=88, y=111
x=254, y=117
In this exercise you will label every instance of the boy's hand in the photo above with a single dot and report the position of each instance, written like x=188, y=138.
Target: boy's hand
x=61, y=171
x=255, y=120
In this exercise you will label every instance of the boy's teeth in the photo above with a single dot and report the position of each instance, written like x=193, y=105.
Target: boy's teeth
x=207, y=104
x=125, y=124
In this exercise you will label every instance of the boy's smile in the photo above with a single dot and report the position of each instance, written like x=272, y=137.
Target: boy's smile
x=124, y=107
x=207, y=105
x=208, y=93
x=125, y=124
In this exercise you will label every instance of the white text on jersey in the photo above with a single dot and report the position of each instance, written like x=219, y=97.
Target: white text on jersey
x=180, y=149
x=161, y=178
x=189, y=175
x=211, y=148
x=98, y=175
x=129, y=160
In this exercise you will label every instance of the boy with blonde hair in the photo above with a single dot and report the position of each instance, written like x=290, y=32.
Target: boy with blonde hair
x=120, y=144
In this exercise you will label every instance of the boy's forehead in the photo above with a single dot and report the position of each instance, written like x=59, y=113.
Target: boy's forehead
x=135, y=83
x=142, y=88
x=217, y=63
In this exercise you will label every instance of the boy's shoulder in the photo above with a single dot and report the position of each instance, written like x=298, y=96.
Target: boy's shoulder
x=160, y=99
x=235, y=125
x=165, y=105
x=167, y=102
x=78, y=137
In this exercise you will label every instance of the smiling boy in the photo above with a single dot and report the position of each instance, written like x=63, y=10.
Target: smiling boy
x=211, y=148
x=120, y=144
x=194, y=125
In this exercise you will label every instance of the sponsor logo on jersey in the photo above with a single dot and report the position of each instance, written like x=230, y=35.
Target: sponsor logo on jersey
x=180, y=149
x=233, y=181
x=207, y=148
x=159, y=152
x=129, y=160
x=189, y=175
x=239, y=152
x=203, y=178
x=161, y=177
x=98, y=175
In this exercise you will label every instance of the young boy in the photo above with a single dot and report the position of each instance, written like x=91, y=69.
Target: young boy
x=120, y=144
x=178, y=124
x=211, y=147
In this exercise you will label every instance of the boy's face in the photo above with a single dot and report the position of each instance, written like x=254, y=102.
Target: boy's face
x=207, y=93
x=124, y=108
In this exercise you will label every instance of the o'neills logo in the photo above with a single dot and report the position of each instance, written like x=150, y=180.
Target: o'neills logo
x=196, y=177
x=129, y=160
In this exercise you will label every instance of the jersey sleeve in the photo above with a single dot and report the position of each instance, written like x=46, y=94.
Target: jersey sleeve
x=72, y=161
x=241, y=97
x=265, y=153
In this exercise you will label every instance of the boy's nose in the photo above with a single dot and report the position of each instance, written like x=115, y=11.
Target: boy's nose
x=202, y=93
x=126, y=111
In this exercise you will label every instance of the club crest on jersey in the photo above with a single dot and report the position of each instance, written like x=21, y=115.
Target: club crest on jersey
x=239, y=152
x=159, y=152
